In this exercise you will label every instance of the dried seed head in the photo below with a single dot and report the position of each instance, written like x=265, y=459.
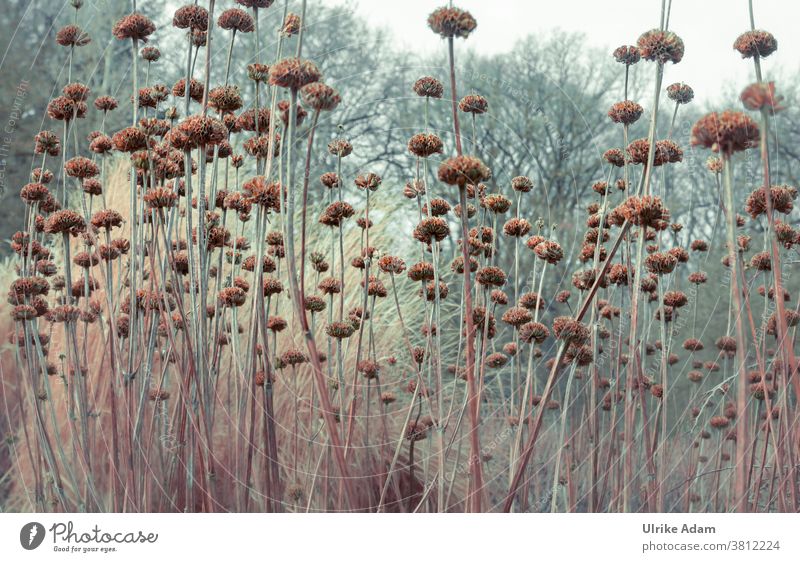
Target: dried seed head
x=150, y=54
x=340, y=148
x=320, y=97
x=726, y=132
x=425, y=144
x=293, y=73
x=756, y=43
x=570, y=330
x=105, y=103
x=760, y=96
x=291, y=25
x=627, y=55
x=661, y=46
x=625, y=112
x=191, y=17
x=236, y=19
x=72, y=36
x=452, y=22
x=614, y=157
x=522, y=184
x=135, y=26
x=474, y=104
x=680, y=93
x=461, y=170
x=491, y=276
x=647, y=211
x=65, y=221
x=429, y=87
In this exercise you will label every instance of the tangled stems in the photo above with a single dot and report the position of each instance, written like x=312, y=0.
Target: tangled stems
x=785, y=342
x=322, y=389
x=533, y=432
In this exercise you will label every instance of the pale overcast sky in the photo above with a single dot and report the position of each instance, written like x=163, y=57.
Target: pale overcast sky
x=707, y=27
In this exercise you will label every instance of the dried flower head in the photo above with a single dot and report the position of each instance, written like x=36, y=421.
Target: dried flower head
x=660, y=263
x=429, y=87
x=368, y=181
x=570, y=330
x=34, y=192
x=761, y=261
x=340, y=148
x=339, y=330
x=225, y=98
x=72, y=36
x=150, y=54
x=196, y=89
x=627, y=55
x=106, y=219
x=647, y=211
x=105, y=103
x=391, y=264
x=452, y=22
x=76, y=91
x=666, y=152
x=191, y=17
x=760, y=96
x=516, y=316
x=258, y=72
x=496, y=203
x=320, y=97
x=516, y=227
x=549, y=251
x=522, y=184
x=625, y=112
x=496, y=360
x=430, y=229
x=726, y=132
x=232, y=297
x=423, y=145
x=293, y=73
x=130, y=139
x=160, y=198
x=62, y=108
x=615, y=157
x=263, y=193
x=756, y=43
x=491, y=276
x=335, y=213
x=137, y=27
x=236, y=19
x=81, y=167
x=680, y=93
x=781, y=196
x=474, y=104
x=65, y=221
x=461, y=170
x=660, y=46
x=47, y=142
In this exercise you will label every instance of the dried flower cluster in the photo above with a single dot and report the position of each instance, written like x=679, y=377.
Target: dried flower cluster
x=220, y=329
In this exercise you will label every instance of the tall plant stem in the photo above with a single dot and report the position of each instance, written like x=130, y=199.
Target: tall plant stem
x=742, y=420
x=306, y=174
x=785, y=342
x=476, y=470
